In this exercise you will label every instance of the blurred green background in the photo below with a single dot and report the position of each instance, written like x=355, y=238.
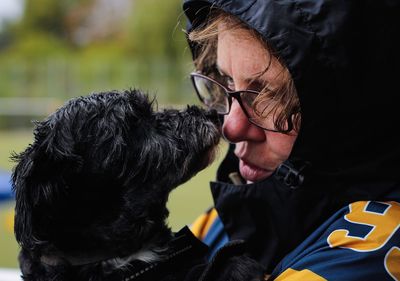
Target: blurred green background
x=51, y=51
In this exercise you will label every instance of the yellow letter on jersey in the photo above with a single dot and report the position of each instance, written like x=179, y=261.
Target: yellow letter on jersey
x=392, y=263
x=384, y=225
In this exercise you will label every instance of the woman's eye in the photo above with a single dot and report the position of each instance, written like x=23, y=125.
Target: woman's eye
x=226, y=80
x=229, y=83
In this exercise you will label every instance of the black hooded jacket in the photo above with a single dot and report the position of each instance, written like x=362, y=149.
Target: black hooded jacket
x=344, y=58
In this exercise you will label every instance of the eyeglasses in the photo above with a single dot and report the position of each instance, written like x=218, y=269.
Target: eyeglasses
x=218, y=97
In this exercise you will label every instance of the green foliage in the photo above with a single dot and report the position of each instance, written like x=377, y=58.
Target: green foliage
x=44, y=15
x=149, y=52
x=37, y=45
x=155, y=29
x=152, y=30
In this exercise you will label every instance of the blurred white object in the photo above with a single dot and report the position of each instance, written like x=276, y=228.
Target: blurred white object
x=8, y=274
x=10, y=10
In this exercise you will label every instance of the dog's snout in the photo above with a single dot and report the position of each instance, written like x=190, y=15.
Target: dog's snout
x=209, y=114
x=214, y=117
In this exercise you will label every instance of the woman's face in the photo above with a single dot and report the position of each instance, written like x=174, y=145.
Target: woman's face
x=241, y=58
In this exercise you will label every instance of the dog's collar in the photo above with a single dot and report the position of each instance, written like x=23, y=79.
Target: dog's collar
x=56, y=258
x=80, y=259
x=184, y=251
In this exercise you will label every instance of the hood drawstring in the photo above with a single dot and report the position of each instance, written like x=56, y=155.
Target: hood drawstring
x=291, y=173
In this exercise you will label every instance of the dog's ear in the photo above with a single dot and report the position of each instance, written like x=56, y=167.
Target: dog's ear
x=37, y=178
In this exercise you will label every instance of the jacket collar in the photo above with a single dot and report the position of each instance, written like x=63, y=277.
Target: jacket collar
x=273, y=217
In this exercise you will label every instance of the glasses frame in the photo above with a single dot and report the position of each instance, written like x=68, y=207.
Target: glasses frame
x=234, y=94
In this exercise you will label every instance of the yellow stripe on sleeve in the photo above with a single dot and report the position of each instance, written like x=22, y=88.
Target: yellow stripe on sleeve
x=301, y=275
x=203, y=223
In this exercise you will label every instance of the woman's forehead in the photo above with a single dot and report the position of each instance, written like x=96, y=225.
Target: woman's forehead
x=243, y=56
x=237, y=46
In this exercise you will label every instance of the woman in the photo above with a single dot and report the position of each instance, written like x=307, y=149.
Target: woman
x=306, y=91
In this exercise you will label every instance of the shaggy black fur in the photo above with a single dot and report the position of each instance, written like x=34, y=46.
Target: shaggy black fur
x=91, y=191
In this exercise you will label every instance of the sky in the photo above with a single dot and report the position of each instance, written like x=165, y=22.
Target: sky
x=10, y=9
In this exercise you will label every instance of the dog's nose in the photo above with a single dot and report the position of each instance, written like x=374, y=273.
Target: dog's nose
x=216, y=118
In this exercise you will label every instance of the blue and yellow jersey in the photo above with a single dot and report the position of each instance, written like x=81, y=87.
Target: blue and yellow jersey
x=359, y=242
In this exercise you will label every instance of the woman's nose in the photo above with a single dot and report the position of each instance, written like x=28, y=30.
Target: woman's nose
x=237, y=127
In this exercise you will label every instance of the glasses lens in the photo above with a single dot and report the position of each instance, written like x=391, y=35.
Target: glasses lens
x=212, y=94
x=262, y=112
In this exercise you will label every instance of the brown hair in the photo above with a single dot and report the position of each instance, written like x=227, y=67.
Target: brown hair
x=283, y=101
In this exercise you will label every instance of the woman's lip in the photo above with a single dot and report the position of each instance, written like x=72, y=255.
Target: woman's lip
x=252, y=172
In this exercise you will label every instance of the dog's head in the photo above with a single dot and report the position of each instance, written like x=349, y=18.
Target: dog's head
x=100, y=170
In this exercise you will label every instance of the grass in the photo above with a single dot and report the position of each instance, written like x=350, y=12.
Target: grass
x=185, y=203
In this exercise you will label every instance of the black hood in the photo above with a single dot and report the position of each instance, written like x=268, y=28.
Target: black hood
x=344, y=59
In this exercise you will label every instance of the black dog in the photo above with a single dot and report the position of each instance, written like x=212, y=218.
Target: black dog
x=91, y=191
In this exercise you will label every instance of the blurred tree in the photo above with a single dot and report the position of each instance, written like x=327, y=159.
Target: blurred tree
x=154, y=29
x=91, y=44
x=48, y=18
x=149, y=29
x=45, y=16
